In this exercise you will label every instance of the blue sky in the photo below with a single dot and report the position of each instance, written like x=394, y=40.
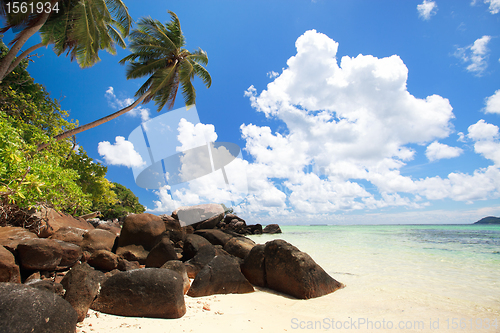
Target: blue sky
x=347, y=112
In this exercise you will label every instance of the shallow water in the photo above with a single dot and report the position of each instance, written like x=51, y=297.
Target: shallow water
x=455, y=267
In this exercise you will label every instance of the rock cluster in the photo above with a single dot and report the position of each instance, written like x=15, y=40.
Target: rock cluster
x=143, y=267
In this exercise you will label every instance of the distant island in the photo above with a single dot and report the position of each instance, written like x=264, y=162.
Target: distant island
x=489, y=220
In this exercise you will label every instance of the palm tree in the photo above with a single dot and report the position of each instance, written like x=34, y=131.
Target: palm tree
x=79, y=27
x=157, y=51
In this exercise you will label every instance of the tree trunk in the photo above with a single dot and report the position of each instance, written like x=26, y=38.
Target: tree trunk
x=95, y=123
x=22, y=56
x=23, y=37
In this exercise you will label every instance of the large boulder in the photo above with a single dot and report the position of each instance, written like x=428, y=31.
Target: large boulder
x=179, y=267
x=53, y=220
x=149, y=292
x=98, y=239
x=205, y=216
x=204, y=255
x=214, y=236
x=239, y=246
x=221, y=275
x=39, y=254
x=10, y=237
x=9, y=271
x=192, y=244
x=70, y=235
x=295, y=273
x=161, y=253
x=272, y=229
x=71, y=253
x=26, y=309
x=253, y=267
x=82, y=285
x=141, y=229
x=103, y=260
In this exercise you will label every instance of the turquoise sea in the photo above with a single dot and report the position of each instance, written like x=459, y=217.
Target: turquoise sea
x=450, y=267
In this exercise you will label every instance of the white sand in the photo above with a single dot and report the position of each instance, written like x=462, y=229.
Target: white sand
x=266, y=311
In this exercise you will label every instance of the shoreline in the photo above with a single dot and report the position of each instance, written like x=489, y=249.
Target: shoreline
x=267, y=311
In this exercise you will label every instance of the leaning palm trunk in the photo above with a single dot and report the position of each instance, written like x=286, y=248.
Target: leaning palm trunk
x=95, y=123
x=7, y=61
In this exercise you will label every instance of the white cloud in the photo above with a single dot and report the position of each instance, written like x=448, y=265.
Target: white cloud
x=272, y=74
x=427, y=9
x=487, y=140
x=116, y=103
x=482, y=131
x=436, y=151
x=475, y=55
x=493, y=103
x=494, y=6
x=120, y=153
x=192, y=136
x=355, y=120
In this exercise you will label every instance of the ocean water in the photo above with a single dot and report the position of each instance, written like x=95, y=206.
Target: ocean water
x=454, y=268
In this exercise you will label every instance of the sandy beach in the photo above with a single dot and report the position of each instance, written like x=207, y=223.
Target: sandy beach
x=349, y=309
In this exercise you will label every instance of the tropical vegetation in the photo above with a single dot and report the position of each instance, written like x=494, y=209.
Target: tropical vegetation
x=158, y=52
x=63, y=176
x=80, y=28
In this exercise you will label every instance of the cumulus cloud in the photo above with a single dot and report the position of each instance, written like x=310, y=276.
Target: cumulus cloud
x=436, y=151
x=493, y=103
x=475, y=55
x=487, y=140
x=192, y=136
x=122, y=152
x=426, y=9
x=354, y=120
x=116, y=103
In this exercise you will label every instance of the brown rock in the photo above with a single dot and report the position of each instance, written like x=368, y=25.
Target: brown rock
x=141, y=229
x=125, y=265
x=10, y=237
x=48, y=285
x=53, y=220
x=69, y=235
x=133, y=253
x=179, y=267
x=98, y=239
x=113, y=227
x=192, y=245
x=221, y=275
x=214, y=236
x=82, y=285
x=26, y=309
x=253, y=267
x=295, y=273
x=239, y=246
x=103, y=260
x=272, y=229
x=9, y=271
x=204, y=255
x=39, y=254
x=149, y=292
x=161, y=253
x=71, y=253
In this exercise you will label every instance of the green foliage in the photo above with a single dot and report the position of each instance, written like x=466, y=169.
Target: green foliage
x=68, y=180
x=127, y=203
